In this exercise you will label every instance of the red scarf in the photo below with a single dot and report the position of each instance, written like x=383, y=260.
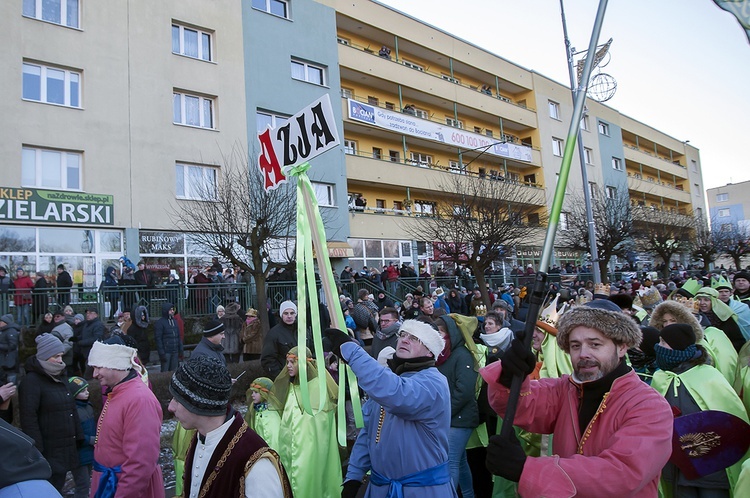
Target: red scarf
x=446, y=353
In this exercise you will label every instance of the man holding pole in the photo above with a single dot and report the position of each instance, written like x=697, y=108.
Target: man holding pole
x=612, y=432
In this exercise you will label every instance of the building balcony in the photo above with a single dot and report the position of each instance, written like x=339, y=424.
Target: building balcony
x=645, y=213
x=380, y=72
x=649, y=159
x=423, y=177
x=658, y=189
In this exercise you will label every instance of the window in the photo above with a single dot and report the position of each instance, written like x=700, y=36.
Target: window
x=722, y=197
x=304, y=71
x=390, y=106
x=461, y=211
x=323, y=193
x=592, y=190
x=394, y=156
x=617, y=163
x=603, y=128
x=723, y=213
x=456, y=167
x=454, y=123
x=51, y=85
x=347, y=93
x=554, y=110
x=697, y=189
x=424, y=208
x=488, y=132
x=413, y=65
x=350, y=147
x=195, y=182
x=585, y=123
x=588, y=155
x=191, y=42
x=398, y=207
x=448, y=77
x=50, y=168
x=63, y=12
x=478, y=129
x=611, y=192
x=563, y=222
x=343, y=41
x=421, y=160
x=421, y=113
x=377, y=153
x=557, y=146
x=531, y=179
x=694, y=165
x=193, y=110
x=379, y=205
x=372, y=100
x=265, y=119
x=276, y=7
x=533, y=219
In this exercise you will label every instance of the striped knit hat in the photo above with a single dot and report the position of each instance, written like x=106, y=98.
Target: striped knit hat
x=202, y=386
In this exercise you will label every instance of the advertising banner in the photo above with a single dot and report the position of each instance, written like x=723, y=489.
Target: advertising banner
x=52, y=206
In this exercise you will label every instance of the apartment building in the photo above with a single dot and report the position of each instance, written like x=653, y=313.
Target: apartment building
x=729, y=207
x=420, y=104
x=123, y=111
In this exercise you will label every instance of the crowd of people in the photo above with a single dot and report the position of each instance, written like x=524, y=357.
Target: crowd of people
x=612, y=372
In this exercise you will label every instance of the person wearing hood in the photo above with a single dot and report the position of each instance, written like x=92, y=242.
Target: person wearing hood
x=404, y=442
x=168, y=342
x=383, y=301
x=63, y=331
x=109, y=287
x=137, y=330
x=460, y=367
x=92, y=330
x=720, y=315
x=210, y=343
x=48, y=411
x=280, y=339
x=9, y=336
x=387, y=332
x=455, y=302
x=440, y=302
x=40, y=301
x=691, y=385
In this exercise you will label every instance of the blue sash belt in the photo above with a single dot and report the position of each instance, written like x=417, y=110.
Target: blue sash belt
x=107, y=481
x=439, y=474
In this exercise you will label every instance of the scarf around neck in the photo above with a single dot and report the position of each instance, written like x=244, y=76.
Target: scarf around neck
x=401, y=365
x=52, y=369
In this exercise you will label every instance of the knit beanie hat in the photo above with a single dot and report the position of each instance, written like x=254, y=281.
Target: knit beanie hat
x=79, y=317
x=741, y=274
x=212, y=328
x=114, y=356
x=427, y=335
x=678, y=335
x=202, y=386
x=650, y=339
x=615, y=325
x=8, y=319
x=220, y=308
x=76, y=385
x=604, y=304
x=47, y=346
x=287, y=305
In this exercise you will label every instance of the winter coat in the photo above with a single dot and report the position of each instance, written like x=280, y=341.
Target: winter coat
x=459, y=369
x=280, y=339
x=634, y=422
x=23, y=288
x=49, y=416
x=167, y=333
x=109, y=285
x=137, y=331
x=208, y=348
x=9, y=347
x=64, y=332
x=91, y=331
x=28, y=463
x=252, y=336
x=88, y=426
x=232, y=325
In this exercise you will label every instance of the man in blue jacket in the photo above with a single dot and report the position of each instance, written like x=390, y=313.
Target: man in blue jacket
x=168, y=341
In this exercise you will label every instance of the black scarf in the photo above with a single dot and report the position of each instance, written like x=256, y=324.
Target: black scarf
x=592, y=393
x=401, y=365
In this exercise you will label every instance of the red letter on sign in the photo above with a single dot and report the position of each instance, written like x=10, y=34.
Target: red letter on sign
x=268, y=163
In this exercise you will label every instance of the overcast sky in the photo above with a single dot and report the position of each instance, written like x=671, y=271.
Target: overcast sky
x=682, y=66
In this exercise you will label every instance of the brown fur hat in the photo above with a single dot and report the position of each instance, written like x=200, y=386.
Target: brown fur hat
x=680, y=313
x=617, y=326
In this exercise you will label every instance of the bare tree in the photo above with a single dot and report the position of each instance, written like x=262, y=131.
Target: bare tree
x=663, y=233
x=241, y=222
x=478, y=219
x=734, y=242
x=706, y=242
x=612, y=221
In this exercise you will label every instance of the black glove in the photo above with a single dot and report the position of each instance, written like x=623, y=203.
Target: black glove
x=517, y=360
x=337, y=338
x=350, y=487
x=74, y=339
x=505, y=457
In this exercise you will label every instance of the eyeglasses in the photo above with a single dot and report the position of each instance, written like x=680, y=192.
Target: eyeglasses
x=386, y=320
x=408, y=337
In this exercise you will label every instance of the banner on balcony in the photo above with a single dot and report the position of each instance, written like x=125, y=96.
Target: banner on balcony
x=307, y=134
x=51, y=206
x=408, y=124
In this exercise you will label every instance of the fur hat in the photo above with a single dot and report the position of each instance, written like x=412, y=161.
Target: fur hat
x=680, y=313
x=678, y=335
x=212, y=328
x=114, y=356
x=202, y=386
x=614, y=324
x=427, y=335
x=287, y=305
x=47, y=346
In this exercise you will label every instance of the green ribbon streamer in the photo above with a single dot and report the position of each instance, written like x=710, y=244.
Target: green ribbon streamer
x=308, y=216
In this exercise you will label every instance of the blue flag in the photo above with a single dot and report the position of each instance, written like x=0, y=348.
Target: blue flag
x=740, y=9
